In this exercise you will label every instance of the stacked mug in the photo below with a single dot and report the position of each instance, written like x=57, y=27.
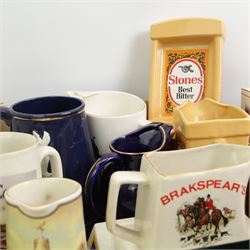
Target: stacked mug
x=60, y=122
x=50, y=138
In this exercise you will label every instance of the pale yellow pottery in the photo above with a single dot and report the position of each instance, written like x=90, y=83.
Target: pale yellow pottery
x=45, y=214
x=207, y=122
x=186, y=64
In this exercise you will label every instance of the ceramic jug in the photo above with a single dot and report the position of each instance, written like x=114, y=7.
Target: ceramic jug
x=127, y=151
x=45, y=214
x=60, y=122
x=191, y=198
x=21, y=156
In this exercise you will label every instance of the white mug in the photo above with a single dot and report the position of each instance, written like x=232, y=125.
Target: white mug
x=21, y=156
x=111, y=114
x=191, y=198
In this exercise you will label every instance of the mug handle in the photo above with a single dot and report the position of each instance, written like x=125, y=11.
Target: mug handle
x=117, y=179
x=6, y=115
x=55, y=160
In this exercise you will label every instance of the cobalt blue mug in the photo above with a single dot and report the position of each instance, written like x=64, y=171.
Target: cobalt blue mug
x=126, y=155
x=60, y=122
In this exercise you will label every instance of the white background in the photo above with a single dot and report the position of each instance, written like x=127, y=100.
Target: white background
x=50, y=46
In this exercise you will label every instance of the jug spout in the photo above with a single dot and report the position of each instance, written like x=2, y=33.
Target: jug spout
x=200, y=159
x=43, y=197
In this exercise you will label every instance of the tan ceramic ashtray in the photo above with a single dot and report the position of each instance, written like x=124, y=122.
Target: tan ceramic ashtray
x=208, y=122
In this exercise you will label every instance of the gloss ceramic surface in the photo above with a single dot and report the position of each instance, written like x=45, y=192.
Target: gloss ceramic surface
x=61, y=123
x=208, y=122
x=195, y=196
x=21, y=157
x=47, y=107
x=50, y=213
x=186, y=49
x=111, y=114
x=126, y=155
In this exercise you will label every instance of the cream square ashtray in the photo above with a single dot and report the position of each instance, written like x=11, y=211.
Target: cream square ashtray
x=208, y=122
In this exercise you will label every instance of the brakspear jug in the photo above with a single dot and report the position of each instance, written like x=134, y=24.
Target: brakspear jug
x=192, y=198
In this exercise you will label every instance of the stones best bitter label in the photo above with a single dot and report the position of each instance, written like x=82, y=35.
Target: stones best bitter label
x=185, y=76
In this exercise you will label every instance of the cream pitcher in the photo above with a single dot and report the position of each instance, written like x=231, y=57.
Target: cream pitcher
x=21, y=157
x=45, y=214
x=190, y=198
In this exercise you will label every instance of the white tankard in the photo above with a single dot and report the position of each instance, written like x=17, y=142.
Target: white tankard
x=191, y=198
x=111, y=114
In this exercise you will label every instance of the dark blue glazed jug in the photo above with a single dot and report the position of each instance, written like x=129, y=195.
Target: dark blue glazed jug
x=126, y=155
x=60, y=122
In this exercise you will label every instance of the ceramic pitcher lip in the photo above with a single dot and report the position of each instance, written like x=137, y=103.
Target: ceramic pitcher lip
x=40, y=210
x=78, y=93
x=141, y=153
x=33, y=141
x=208, y=100
x=77, y=106
x=195, y=150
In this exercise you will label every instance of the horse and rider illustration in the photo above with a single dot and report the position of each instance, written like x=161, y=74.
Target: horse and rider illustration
x=202, y=213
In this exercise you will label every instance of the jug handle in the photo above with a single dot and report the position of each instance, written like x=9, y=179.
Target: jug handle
x=117, y=179
x=55, y=160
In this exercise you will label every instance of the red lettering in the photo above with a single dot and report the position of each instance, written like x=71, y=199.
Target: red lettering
x=194, y=80
x=217, y=183
x=226, y=185
x=172, y=79
x=183, y=191
x=181, y=80
x=210, y=183
x=188, y=80
x=165, y=200
x=200, y=79
x=244, y=189
x=174, y=194
x=192, y=188
x=201, y=185
x=235, y=186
